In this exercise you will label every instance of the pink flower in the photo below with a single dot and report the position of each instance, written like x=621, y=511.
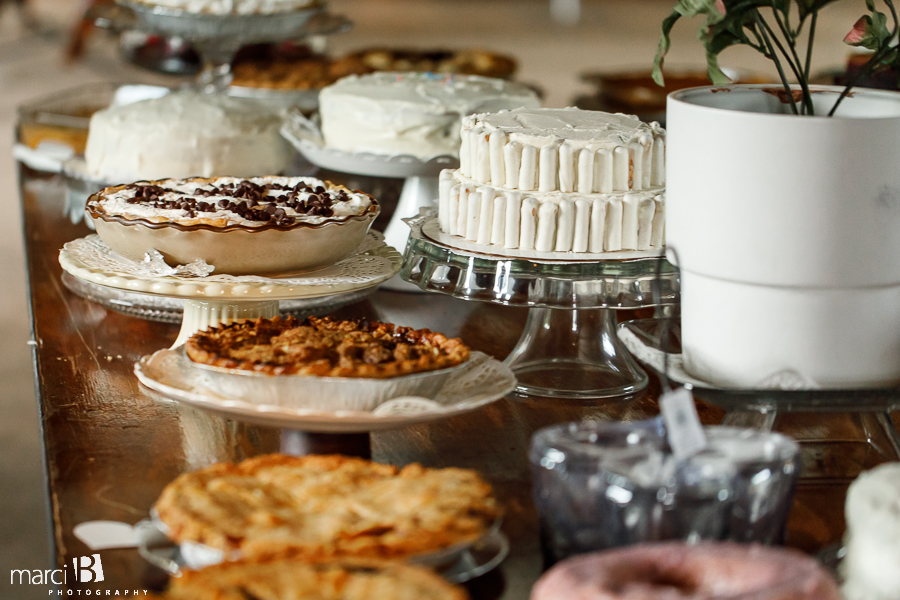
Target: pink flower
x=720, y=6
x=858, y=32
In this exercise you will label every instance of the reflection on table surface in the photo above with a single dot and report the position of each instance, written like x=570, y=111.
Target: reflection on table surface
x=111, y=449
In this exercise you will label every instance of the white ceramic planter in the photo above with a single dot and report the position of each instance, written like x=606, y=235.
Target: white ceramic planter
x=788, y=232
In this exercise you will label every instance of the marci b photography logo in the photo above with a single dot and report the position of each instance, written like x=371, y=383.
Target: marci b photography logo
x=86, y=569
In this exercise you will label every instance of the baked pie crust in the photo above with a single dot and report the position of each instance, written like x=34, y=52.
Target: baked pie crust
x=291, y=578
x=325, y=507
x=325, y=347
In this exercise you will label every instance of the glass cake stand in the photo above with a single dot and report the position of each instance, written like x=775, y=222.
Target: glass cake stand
x=842, y=433
x=221, y=299
x=218, y=37
x=569, y=348
x=420, y=188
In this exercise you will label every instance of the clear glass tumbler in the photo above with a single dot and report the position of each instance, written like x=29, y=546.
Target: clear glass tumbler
x=605, y=485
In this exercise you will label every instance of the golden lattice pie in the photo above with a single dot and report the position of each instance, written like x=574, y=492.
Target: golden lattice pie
x=325, y=347
x=291, y=578
x=323, y=507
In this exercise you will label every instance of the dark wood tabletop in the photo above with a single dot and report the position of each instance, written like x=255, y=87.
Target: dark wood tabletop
x=110, y=448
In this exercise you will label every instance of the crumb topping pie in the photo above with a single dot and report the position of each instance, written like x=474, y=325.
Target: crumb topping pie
x=327, y=506
x=292, y=578
x=325, y=347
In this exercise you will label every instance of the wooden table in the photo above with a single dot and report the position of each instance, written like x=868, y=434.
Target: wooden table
x=110, y=449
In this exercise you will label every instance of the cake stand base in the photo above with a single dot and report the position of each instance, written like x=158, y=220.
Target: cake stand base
x=199, y=315
x=574, y=354
x=302, y=443
x=418, y=192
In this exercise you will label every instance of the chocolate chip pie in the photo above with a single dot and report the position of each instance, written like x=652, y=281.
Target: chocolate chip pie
x=326, y=507
x=263, y=225
x=325, y=347
x=291, y=578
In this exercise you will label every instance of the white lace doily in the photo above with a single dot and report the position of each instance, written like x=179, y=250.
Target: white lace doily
x=92, y=260
x=478, y=382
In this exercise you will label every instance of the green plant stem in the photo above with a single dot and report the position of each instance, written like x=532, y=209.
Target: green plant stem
x=809, y=44
x=801, y=79
x=876, y=58
x=784, y=81
x=871, y=63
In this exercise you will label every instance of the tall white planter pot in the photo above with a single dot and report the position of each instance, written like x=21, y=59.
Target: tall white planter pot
x=788, y=233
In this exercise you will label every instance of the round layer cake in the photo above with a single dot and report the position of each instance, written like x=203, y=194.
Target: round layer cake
x=263, y=225
x=411, y=113
x=557, y=180
x=186, y=134
x=673, y=570
x=233, y=7
x=872, y=564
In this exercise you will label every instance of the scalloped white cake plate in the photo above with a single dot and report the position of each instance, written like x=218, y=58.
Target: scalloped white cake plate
x=306, y=137
x=479, y=382
x=220, y=299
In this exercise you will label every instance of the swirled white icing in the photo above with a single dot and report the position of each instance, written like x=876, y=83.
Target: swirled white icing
x=411, y=113
x=185, y=134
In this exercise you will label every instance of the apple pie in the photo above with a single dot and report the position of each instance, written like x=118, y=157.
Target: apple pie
x=323, y=507
x=325, y=347
x=290, y=578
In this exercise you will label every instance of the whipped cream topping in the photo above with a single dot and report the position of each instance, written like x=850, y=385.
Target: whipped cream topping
x=226, y=201
x=237, y=7
x=185, y=134
x=411, y=113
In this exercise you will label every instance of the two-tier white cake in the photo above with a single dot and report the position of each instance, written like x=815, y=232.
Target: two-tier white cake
x=557, y=180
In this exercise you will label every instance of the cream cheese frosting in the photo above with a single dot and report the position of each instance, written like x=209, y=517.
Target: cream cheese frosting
x=564, y=149
x=185, y=134
x=411, y=113
x=237, y=7
x=222, y=203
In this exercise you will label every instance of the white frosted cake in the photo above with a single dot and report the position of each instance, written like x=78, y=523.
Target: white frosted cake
x=871, y=567
x=557, y=180
x=234, y=7
x=185, y=134
x=411, y=113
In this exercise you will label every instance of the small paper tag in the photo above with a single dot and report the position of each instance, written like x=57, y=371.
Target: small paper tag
x=682, y=423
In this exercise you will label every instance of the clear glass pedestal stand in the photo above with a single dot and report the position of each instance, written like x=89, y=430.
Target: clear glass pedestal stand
x=217, y=37
x=569, y=348
x=421, y=177
x=841, y=432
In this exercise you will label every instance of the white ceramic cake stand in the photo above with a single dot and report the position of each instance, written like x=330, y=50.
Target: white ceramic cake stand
x=569, y=348
x=218, y=37
x=420, y=189
x=222, y=299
